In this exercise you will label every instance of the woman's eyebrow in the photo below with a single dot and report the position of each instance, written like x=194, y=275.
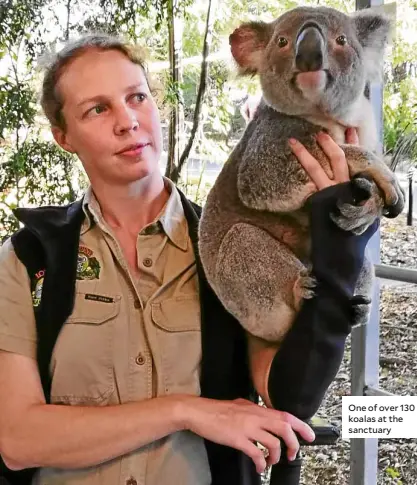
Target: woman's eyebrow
x=136, y=86
x=102, y=97
x=99, y=97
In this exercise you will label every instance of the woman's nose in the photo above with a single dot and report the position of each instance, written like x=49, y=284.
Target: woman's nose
x=126, y=120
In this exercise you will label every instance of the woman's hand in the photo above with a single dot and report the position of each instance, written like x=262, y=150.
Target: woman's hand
x=336, y=156
x=241, y=424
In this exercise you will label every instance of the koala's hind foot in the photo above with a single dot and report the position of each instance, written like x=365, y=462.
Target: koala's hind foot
x=260, y=281
x=303, y=288
x=363, y=292
x=358, y=214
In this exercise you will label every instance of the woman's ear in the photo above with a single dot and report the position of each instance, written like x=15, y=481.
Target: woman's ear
x=61, y=138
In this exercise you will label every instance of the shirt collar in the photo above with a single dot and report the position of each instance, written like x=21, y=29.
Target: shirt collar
x=171, y=217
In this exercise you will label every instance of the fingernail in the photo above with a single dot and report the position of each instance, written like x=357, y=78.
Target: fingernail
x=312, y=435
x=292, y=141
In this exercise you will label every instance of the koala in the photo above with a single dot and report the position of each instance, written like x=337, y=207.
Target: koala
x=315, y=66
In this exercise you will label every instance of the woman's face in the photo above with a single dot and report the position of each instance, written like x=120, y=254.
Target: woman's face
x=112, y=121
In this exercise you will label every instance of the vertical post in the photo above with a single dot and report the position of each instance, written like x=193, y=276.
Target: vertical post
x=410, y=197
x=365, y=339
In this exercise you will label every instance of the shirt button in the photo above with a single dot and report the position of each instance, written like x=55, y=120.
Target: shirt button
x=140, y=359
x=147, y=262
x=131, y=481
x=137, y=304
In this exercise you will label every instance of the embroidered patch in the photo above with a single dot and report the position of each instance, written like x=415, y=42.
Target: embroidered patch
x=101, y=298
x=37, y=285
x=88, y=267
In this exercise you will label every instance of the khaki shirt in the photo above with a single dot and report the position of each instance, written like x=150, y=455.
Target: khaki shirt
x=126, y=339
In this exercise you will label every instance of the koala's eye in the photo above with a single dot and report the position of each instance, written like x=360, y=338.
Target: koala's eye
x=341, y=40
x=282, y=42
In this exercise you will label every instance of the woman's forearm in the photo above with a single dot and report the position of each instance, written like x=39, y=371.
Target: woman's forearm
x=75, y=437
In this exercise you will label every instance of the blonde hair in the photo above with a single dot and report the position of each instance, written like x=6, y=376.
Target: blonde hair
x=51, y=99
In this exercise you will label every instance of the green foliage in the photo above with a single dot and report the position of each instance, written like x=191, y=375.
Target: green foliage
x=16, y=16
x=162, y=8
x=32, y=171
x=395, y=474
x=37, y=173
x=17, y=105
x=400, y=111
x=400, y=95
x=19, y=24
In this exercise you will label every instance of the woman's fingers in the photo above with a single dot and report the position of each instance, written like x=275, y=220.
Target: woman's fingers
x=242, y=423
x=255, y=454
x=300, y=427
x=310, y=164
x=285, y=431
x=272, y=444
x=336, y=156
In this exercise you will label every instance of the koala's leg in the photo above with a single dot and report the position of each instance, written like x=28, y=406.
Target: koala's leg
x=363, y=290
x=260, y=281
x=362, y=162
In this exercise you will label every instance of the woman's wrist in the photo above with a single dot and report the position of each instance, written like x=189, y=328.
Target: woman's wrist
x=183, y=410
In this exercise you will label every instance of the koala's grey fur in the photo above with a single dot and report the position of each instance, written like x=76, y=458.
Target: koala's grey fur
x=254, y=231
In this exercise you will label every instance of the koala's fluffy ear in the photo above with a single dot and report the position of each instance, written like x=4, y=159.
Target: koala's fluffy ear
x=247, y=43
x=373, y=31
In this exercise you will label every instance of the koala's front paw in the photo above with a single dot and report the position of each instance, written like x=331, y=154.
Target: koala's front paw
x=357, y=214
x=390, y=188
x=394, y=209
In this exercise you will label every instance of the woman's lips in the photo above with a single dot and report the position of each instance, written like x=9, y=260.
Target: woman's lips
x=134, y=152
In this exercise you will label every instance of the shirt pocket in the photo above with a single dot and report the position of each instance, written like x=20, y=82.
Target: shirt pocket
x=177, y=324
x=82, y=362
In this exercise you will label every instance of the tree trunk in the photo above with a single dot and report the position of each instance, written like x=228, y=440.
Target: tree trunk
x=176, y=122
x=67, y=30
x=201, y=90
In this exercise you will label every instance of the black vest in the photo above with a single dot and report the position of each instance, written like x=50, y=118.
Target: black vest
x=50, y=241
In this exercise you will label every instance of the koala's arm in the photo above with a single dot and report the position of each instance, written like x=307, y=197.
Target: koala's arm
x=310, y=354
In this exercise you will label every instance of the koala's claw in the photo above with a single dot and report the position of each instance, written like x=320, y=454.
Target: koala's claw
x=303, y=288
x=361, y=308
x=394, y=196
x=359, y=213
x=395, y=209
x=308, y=283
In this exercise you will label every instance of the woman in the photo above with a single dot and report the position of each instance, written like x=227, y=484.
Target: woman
x=147, y=381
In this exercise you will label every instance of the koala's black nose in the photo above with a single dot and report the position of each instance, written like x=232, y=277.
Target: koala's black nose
x=309, y=49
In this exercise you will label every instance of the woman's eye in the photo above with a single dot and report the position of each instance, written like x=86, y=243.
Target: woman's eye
x=139, y=97
x=96, y=110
